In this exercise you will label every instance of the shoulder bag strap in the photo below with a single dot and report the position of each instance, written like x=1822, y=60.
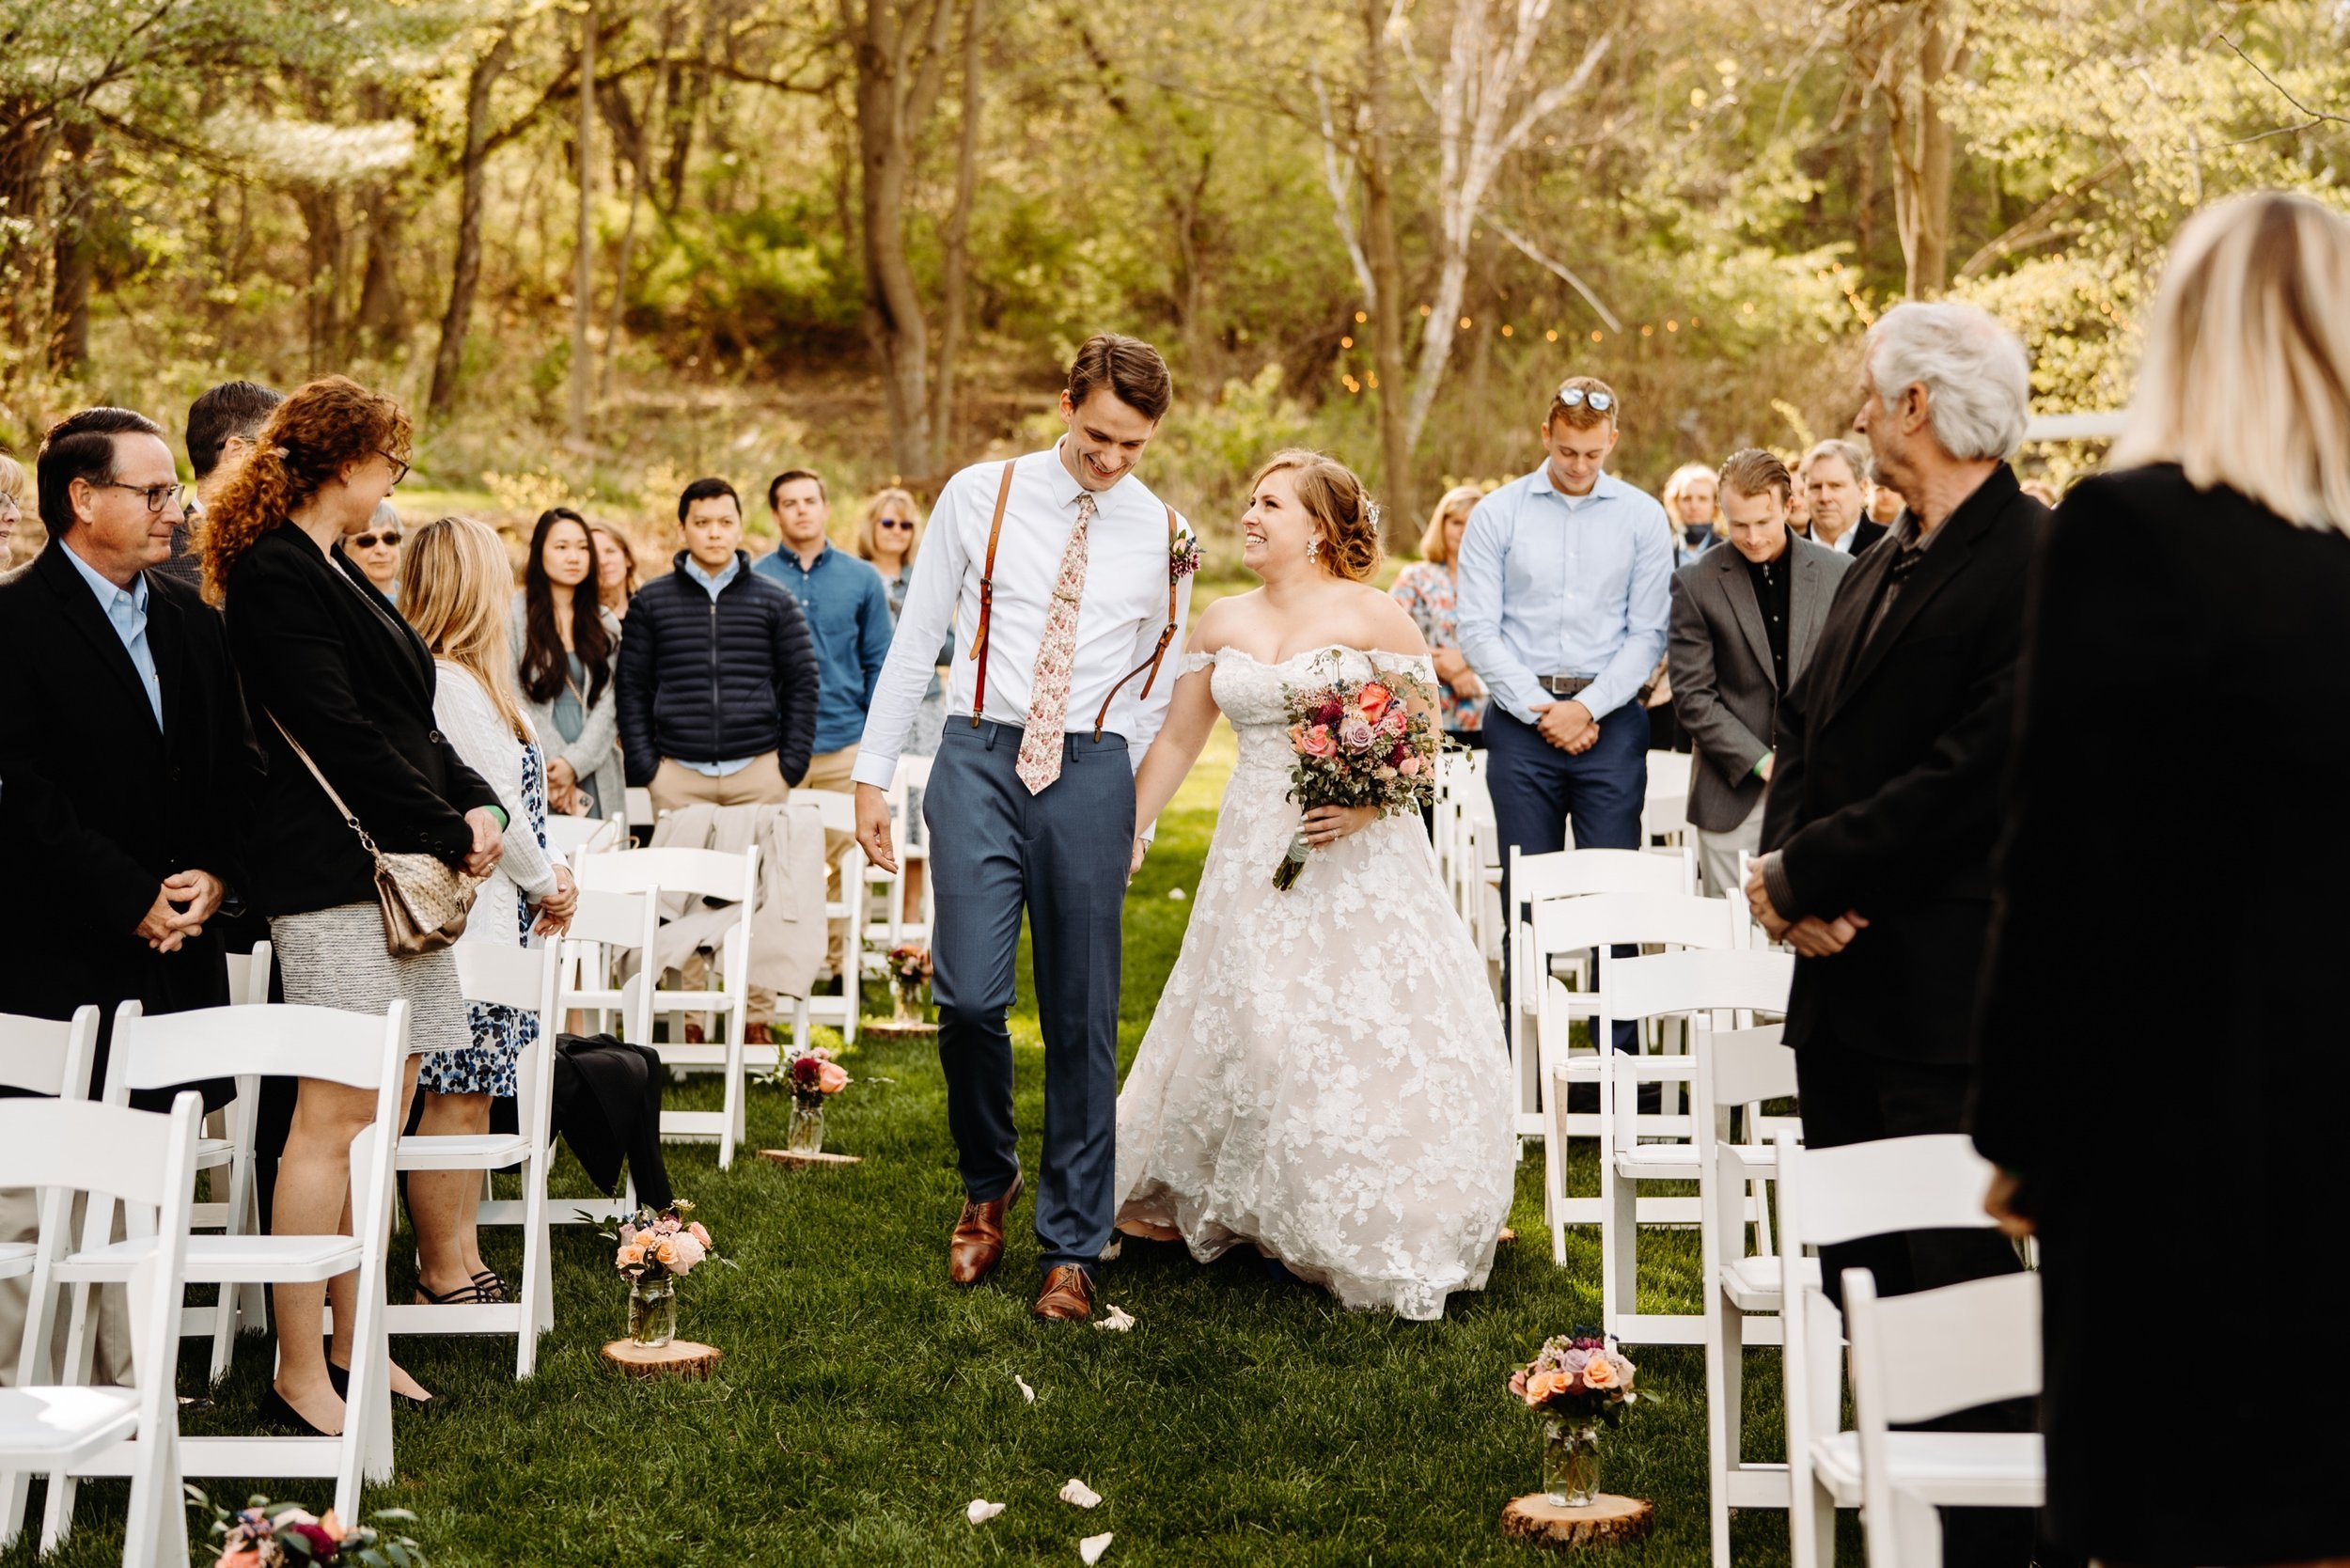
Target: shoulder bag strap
x=1166, y=636
x=347, y=817
x=987, y=597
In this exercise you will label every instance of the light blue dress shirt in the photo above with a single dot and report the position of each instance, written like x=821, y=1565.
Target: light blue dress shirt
x=1552, y=584
x=711, y=585
x=126, y=612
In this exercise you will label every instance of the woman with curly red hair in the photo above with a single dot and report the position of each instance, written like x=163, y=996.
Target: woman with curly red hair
x=327, y=663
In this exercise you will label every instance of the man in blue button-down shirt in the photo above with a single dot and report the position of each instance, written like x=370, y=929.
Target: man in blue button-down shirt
x=1564, y=591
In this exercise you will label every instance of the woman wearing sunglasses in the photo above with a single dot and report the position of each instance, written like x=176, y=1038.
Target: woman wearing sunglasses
x=888, y=535
x=376, y=551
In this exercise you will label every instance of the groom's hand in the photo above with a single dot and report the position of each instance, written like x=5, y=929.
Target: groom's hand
x=1142, y=847
x=872, y=826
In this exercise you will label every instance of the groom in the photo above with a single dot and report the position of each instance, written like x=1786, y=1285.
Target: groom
x=1055, y=566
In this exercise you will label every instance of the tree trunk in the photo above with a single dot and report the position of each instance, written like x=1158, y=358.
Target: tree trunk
x=75, y=259
x=382, y=305
x=465, y=273
x=1910, y=81
x=1385, y=260
x=584, y=258
x=25, y=146
x=956, y=284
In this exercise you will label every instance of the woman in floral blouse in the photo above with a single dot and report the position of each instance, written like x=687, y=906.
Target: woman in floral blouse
x=1427, y=589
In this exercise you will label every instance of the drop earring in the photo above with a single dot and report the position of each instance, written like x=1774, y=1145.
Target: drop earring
x=1313, y=550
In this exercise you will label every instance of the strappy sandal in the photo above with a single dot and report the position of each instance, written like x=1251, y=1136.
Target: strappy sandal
x=491, y=1285
x=468, y=1294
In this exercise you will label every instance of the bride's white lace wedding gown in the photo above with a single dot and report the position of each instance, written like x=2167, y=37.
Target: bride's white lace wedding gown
x=1325, y=1075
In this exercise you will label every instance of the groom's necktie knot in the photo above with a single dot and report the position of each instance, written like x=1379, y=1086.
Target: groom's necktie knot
x=1056, y=654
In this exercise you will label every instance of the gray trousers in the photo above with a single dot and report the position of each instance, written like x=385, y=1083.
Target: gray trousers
x=1717, y=854
x=1061, y=856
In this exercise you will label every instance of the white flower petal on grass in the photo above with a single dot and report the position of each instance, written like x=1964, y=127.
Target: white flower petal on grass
x=981, y=1511
x=1117, y=1320
x=1079, y=1493
x=1027, y=1393
x=1179, y=895
x=1093, y=1547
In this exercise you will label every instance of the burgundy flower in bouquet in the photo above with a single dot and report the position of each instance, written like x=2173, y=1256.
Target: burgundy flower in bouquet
x=1358, y=743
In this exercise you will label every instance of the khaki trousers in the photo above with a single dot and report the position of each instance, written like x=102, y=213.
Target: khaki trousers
x=832, y=772
x=675, y=784
x=19, y=1221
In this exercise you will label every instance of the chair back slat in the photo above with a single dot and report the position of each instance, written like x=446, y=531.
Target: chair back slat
x=614, y=918
x=1748, y=1065
x=83, y=1146
x=507, y=977
x=45, y=1056
x=1933, y=1352
x=270, y=1039
x=839, y=811
x=669, y=868
x=1698, y=979
x=1578, y=874
x=1933, y=1182
x=1597, y=919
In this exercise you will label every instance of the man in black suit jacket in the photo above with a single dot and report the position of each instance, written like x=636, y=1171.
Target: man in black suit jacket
x=123, y=738
x=1884, y=803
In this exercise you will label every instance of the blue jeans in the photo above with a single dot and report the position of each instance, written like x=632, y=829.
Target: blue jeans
x=1536, y=788
x=1062, y=855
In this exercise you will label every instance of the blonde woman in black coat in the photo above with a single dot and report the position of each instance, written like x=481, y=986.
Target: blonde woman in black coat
x=2161, y=1043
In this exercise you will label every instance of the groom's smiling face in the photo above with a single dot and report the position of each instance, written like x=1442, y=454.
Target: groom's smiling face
x=1105, y=437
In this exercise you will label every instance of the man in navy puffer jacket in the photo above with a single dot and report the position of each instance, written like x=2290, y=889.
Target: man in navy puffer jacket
x=717, y=673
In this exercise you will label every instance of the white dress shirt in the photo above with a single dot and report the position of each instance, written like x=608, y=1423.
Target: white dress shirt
x=1119, y=617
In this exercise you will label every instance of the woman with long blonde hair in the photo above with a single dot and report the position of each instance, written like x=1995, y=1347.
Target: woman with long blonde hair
x=328, y=666
x=455, y=583
x=1429, y=590
x=2205, y=574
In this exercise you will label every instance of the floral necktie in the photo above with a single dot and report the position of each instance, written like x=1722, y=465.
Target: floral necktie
x=1048, y=690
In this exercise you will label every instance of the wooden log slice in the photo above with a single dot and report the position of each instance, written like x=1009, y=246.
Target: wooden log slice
x=797, y=1161
x=1608, y=1520
x=889, y=1029
x=678, y=1359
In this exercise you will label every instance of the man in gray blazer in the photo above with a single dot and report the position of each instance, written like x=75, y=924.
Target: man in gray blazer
x=1745, y=621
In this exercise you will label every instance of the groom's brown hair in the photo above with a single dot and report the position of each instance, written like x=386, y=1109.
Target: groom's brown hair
x=1130, y=367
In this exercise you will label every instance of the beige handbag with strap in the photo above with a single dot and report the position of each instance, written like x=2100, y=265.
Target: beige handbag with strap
x=425, y=902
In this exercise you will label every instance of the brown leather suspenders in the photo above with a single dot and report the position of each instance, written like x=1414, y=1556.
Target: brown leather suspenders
x=987, y=611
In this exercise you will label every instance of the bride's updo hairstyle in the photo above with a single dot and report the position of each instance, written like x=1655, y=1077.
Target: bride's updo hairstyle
x=1343, y=513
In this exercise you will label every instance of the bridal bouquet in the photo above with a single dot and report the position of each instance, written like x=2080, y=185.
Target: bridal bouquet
x=1358, y=743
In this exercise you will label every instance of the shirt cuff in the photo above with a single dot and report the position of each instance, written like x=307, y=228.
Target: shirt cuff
x=875, y=769
x=1781, y=891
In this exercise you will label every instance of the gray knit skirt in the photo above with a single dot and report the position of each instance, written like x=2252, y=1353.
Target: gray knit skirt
x=336, y=958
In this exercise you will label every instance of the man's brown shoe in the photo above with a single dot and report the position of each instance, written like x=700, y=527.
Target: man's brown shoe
x=1067, y=1296
x=978, y=1244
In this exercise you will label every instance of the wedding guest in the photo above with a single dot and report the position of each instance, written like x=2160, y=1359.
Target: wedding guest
x=221, y=423
x=849, y=621
x=12, y=504
x=566, y=657
x=616, y=569
x=377, y=551
x=1799, y=509
x=127, y=767
x=889, y=537
x=453, y=585
x=1885, y=505
x=1726, y=686
x=1429, y=588
x=2213, y=549
x=1884, y=802
x=327, y=663
x=1688, y=499
x=1564, y=624
x=1834, y=482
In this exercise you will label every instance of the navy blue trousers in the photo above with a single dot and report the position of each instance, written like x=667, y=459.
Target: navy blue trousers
x=1536, y=787
x=1061, y=856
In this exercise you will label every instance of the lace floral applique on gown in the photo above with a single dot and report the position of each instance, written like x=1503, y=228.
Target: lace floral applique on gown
x=1325, y=1075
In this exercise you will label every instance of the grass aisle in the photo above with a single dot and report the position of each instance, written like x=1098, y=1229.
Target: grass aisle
x=863, y=1402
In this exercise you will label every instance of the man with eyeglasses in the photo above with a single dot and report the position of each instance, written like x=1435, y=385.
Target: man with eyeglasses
x=126, y=760
x=1564, y=594
x=222, y=424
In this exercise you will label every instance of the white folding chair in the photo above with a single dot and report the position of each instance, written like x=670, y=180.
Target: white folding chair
x=1827, y=1196
x=246, y=1308
x=848, y=911
x=1567, y=874
x=675, y=871
x=1736, y=1070
x=355, y=1049
x=639, y=803
x=147, y=1161
x=1926, y=1354
x=523, y=978
x=893, y=929
x=571, y=836
x=606, y=925
x=1574, y=925
x=1665, y=807
x=1728, y=988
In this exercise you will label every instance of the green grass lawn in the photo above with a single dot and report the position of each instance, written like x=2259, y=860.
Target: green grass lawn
x=863, y=1402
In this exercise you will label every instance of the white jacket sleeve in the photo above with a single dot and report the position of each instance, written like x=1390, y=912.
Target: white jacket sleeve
x=472, y=723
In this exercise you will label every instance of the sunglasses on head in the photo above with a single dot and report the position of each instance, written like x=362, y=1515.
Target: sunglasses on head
x=1576, y=397
x=368, y=541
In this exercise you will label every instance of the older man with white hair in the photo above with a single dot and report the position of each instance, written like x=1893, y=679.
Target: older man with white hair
x=1884, y=801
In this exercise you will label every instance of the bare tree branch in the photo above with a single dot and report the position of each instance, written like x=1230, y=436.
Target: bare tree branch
x=1562, y=273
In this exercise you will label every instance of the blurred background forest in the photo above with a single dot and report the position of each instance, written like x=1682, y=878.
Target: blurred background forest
x=600, y=247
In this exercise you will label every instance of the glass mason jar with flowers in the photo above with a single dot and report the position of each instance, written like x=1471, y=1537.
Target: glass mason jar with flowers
x=814, y=1077
x=908, y=969
x=657, y=1247
x=1578, y=1384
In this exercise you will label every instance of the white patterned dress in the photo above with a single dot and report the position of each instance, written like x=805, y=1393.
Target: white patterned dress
x=1324, y=1076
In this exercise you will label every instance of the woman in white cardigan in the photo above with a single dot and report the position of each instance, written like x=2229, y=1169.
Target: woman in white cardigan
x=566, y=665
x=452, y=583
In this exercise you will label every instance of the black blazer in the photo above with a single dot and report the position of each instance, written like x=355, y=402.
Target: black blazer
x=322, y=651
x=1884, y=797
x=99, y=805
x=2159, y=961
x=1864, y=533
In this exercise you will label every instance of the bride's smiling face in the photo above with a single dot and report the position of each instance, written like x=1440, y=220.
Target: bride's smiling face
x=1277, y=527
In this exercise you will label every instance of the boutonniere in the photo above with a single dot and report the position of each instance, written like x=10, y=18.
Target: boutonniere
x=1182, y=556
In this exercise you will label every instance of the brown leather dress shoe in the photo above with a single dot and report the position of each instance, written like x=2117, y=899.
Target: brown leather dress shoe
x=978, y=1244
x=1067, y=1296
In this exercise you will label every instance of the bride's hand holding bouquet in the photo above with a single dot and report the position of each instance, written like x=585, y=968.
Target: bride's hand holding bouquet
x=1365, y=749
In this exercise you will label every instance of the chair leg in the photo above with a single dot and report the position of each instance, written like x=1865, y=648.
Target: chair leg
x=1618, y=1232
x=1725, y=1381
x=155, y=1534
x=534, y=1282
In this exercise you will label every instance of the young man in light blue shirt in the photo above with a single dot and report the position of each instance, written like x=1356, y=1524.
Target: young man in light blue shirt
x=1564, y=592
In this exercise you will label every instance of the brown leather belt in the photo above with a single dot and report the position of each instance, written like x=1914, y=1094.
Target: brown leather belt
x=1562, y=685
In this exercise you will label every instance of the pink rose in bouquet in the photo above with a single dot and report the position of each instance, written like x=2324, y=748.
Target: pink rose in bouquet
x=1357, y=743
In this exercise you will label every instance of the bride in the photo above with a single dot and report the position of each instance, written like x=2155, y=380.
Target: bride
x=1324, y=1076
